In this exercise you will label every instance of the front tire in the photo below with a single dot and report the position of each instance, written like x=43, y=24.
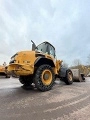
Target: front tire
x=68, y=79
x=44, y=78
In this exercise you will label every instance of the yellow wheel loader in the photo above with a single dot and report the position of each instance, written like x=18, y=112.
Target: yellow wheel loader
x=39, y=66
x=3, y=71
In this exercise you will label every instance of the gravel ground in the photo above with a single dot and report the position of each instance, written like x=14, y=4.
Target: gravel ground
x=63, y=102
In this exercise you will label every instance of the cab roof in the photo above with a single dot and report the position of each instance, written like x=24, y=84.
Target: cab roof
x=47, y=43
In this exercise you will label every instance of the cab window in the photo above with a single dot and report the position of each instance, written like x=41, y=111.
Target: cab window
x=52, y=51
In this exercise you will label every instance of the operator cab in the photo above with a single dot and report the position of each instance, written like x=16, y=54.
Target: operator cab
x=45, y=47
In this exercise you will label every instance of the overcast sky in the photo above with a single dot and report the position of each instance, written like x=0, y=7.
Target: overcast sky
x=64, y=23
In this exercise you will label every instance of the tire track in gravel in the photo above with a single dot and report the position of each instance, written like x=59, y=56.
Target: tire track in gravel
x=62, y=110
x=45, y=111
x=16, y=101
x=49, y=112
x=38, y=98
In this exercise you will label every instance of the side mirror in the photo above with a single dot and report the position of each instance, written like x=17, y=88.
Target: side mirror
x=33, y=45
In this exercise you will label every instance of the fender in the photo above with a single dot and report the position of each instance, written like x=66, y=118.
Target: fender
x=62, y=72
x=42, y=60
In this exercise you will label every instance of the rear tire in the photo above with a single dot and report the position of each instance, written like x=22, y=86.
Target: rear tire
x=7, y=76
x=44, y=78
x=68, y=79
x=26, y=80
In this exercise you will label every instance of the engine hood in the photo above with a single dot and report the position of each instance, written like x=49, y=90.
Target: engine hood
x=23, y=57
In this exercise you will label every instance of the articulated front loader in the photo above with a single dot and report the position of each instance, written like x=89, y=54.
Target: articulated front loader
x=39, y=66
x=3, y=71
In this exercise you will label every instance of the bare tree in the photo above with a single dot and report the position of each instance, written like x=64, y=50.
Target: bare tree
x=88, y=59
x=64, y=64
x=77, y=65
x=77, y=62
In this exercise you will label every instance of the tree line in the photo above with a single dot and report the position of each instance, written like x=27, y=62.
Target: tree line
x=76, y=64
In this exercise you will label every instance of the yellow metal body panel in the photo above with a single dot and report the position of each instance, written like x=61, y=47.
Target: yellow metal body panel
x=20, y=69
x=57, y=63
x=2, y=69
x=24, y=63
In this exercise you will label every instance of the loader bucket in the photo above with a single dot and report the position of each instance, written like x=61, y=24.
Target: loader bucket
x=77, y=76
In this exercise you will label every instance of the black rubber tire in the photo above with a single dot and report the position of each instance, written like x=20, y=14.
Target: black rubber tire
x=38, y=79
x=26, y=80
x=7, y=76
x=67, y=78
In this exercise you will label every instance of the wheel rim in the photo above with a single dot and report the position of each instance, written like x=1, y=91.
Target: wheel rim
x=70, y=76
x=46, y=77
